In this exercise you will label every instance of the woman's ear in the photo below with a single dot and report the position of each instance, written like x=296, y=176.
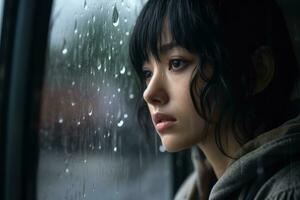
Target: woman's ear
x=264, y=68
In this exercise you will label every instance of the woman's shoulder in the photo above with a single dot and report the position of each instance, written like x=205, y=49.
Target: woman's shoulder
x=188, y=188
x=283, y=185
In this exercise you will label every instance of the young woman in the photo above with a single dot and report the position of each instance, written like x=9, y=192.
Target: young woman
x=219, y=75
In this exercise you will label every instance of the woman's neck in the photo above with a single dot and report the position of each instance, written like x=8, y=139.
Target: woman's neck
x=218, y=160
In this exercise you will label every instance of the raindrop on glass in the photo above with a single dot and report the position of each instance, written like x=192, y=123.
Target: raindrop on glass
x=91, y=112
x=60, y=120
x=115, y=149
x=131, y=96
x=115, y=16
x=98, y=89
x=120, y=124
x=162, y=148
x=99, y=147
x=121, y=42
x=94, y=19
x=79, y=66
x=65, y=51
x=67, y=170
x=73, y=83
x=119, y=89
x=116, y=75
x=73, y=103
x=125, y=116
x=127, y=33
x=85, y=5
x=64, y=48
x=75, y=28
x=85, y=161
x=125, y=20
x=105, y=69
x=78, y=123
x=123, y=70
x=99, y=66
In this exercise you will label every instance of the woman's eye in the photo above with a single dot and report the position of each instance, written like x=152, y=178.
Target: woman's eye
x=147, y=74
x=176, y=64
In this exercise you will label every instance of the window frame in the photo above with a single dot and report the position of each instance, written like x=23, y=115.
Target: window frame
x=23, y=52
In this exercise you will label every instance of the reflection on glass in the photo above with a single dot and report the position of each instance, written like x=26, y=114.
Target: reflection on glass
x=90, y=144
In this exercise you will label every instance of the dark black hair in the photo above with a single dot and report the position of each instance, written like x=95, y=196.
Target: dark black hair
x=227, y=35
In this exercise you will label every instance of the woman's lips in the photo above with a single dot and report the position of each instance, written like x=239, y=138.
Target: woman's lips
x=163, y=121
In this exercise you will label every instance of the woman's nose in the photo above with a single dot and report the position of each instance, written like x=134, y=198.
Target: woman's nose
x=156, y=92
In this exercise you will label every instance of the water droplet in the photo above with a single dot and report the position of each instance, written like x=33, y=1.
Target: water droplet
x=73, y=103
x=94, y=19
x=115, y=149
x=83, y=117
x=98, y=89
x=116, y=75
x=79, y=35
x=88, y=21
x=125, y=20
x=109, y=102
x=123, y=70
x=120, y=124
x=67, y=170
x=115, y=16
x=91, y=112
x=64, y=48
x=113, y=95
x=75, y=27
x=119, y=89
x=127, y=33
x=65, y=51
x=85, y=161
x=60, y=120
x=99, y=66
x=73, y=83
x=129, y=73
x=162, y=148
x=79, y=66
x=99, y=147
x=109, y=57
x=105, y=69
x=125, y=116
x=78, y=123
x=131, y=96
x=121, y=42
x=85, y=5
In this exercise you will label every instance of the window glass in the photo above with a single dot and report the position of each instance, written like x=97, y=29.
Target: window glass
x=90, y=143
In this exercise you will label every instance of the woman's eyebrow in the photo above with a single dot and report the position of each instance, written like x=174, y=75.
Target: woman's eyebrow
x=167, y=47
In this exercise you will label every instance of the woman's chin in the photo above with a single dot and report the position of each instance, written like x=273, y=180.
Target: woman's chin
x=173, y=144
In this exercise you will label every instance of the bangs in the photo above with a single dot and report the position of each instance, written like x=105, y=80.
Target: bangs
x=185, y=21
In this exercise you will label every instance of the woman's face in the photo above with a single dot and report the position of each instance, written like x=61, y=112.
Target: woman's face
x=168, y=96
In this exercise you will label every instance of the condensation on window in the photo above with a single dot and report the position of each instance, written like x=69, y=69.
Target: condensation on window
x=90, y=144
